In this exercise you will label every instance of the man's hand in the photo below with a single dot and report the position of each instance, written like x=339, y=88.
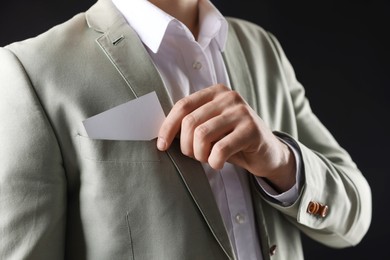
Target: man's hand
x=216, y=125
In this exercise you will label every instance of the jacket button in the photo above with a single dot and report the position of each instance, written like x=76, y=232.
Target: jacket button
x=316, y=208
x=272, y=250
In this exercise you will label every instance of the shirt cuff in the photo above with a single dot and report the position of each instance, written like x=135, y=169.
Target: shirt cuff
x=290, y=196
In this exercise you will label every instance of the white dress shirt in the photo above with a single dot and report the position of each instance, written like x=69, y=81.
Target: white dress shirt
x=187, y=65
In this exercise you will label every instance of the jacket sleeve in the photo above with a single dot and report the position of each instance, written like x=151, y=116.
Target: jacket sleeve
x=32, y=179
x=330, y=176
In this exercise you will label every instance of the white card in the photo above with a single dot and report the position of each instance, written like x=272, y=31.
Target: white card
x=138, y=119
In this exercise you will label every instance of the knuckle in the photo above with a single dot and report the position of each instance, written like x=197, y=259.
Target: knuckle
x=201, y=133
x=241, y=109
x=222, y=87
x=189, y=121
x=220, y=149
x=184, y=104
x=202, y=143
x=234, y=97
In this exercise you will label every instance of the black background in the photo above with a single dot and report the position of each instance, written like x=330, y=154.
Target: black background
x=340, y=52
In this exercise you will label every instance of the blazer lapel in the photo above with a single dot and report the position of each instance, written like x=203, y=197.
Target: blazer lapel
x=197, y=184
x=126, y=52
x=238, y=69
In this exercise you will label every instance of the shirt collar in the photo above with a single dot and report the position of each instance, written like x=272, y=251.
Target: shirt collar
x=212, y=25
x=151, y=23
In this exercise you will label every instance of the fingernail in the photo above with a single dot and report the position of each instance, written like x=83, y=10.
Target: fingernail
x=161, y=144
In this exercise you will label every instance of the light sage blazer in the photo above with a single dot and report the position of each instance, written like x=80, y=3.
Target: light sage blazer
x=66, y=196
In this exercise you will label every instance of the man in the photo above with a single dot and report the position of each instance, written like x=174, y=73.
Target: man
x=240, y=166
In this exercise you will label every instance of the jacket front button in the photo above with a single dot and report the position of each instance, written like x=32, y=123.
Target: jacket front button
x=272, y=250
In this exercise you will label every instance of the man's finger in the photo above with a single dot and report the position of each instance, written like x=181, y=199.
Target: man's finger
x=183, y=107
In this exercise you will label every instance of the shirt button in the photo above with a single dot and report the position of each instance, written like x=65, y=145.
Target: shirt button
x=196, y=65
x=240, y=218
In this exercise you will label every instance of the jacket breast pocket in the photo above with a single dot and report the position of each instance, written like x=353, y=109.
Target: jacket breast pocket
x=119, y=171
x=113, y=151
x=109, y=166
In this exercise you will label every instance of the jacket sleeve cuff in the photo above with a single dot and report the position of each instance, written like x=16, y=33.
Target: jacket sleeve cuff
x=290, y=196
